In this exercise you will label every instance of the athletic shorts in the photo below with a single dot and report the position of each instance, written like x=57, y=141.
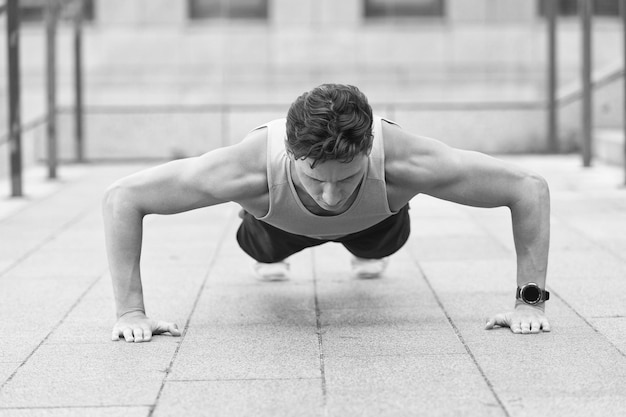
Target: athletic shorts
x=269, y=244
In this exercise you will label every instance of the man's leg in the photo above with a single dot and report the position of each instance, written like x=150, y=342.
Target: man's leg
x=270, y=246
x=371, y=246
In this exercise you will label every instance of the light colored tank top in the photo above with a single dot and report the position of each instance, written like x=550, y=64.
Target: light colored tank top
x=286, y=210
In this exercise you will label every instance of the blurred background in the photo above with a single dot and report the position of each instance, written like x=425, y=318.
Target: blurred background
x=162, y=79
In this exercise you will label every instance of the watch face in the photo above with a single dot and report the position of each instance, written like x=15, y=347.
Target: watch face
x=531, y=294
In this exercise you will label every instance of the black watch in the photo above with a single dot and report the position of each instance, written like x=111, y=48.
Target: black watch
x=532, y=294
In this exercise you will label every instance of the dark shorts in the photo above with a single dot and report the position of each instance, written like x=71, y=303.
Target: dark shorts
x=266, y=243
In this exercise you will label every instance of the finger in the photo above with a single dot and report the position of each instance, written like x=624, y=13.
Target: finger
x=545, y=325
x=128, y=335
x=147, y=334
x=138, y=334
x=491, y=322
x=525, y=326
x=516, y=327
x=535, y=327
x=115, y=335
x=163, y=327
x=497, y=320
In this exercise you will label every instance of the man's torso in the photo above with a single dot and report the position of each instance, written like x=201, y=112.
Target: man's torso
x=396, y=195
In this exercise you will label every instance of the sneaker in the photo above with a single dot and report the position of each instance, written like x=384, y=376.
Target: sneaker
x=368, y=268
x=278, y=271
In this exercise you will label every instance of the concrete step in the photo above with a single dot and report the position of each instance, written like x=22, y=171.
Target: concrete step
x=609, y=145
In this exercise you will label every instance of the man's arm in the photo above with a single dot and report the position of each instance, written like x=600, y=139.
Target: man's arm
x=235, y=173
x=475, y=179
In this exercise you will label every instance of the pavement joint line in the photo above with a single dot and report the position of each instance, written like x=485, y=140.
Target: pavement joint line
x=311, y=378
x=587, y=322
x=396, y=355
x=318, y=325
x=48, y=239
x=212, y=261
x=56, y=326
x=460, y=336
x=63, y=407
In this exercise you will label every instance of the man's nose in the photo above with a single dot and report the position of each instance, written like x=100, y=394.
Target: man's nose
x=331, y=194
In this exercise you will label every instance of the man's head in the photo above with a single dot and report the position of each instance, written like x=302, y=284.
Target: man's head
x=332, y=122
x=329, y=136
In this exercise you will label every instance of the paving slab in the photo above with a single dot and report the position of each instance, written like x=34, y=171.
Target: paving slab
x=282, y=303
x=113, y=374
x=384, y=340
x=408, y=385
x=248, y=352
x=260, y=397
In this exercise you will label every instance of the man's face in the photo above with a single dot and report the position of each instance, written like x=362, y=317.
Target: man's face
x=331, y=183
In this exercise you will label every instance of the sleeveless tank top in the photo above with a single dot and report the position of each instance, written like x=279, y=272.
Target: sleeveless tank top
x=286, y=210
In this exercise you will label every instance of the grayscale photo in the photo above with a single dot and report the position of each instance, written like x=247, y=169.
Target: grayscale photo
x=327, y=208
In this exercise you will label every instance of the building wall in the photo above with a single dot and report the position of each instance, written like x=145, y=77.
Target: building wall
x=474, y=78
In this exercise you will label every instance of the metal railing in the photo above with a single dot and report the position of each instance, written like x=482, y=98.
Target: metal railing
x=74, y=7
x=15, y=127
x=588, y=85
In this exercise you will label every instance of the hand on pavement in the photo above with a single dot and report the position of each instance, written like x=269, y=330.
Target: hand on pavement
x=136, y=327
x=523, y=319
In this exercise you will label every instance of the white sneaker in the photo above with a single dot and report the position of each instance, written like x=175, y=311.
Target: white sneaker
x=278, y=271
x=368, y=268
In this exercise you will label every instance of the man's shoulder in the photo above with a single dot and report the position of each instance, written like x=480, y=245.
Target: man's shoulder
x=414, y=162
x=398, y=143
x=252, y=150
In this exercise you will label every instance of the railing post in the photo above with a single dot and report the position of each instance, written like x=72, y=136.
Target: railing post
x=78, y=82
x=586, y=11
x=553, y=134
x=623, y=11
x=51, y=26
x=15, y=139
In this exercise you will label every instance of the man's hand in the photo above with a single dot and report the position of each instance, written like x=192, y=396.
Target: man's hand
x=137, y=327
x=524, y=319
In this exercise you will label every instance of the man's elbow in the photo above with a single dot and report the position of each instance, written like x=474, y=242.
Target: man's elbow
x=117, y=199
x=535, y=188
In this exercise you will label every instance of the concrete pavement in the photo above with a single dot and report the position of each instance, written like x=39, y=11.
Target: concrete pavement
x=322, y=344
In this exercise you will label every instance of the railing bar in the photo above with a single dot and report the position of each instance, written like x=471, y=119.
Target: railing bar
x=212, y=108
x=623, y=13
x=587, y=106
x=78, y=82
x=4, y=138
x=15, y=140
x=52, y=9
x=553, y=135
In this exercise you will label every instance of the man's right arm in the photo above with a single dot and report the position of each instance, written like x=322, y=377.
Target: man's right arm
x=226, y=174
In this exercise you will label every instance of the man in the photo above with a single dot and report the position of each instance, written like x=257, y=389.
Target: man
x=329, y=172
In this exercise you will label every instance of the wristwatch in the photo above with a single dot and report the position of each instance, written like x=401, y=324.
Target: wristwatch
x=532, y=294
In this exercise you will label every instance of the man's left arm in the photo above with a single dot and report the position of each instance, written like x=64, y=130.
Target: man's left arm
x=530, y=215
x=475, y=179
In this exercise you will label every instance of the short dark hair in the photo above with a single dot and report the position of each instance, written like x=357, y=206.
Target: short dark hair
x=330, y=122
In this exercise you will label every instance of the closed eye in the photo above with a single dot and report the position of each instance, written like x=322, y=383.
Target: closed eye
x=350, y=178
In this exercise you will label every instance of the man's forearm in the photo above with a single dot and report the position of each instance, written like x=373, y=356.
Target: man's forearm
x=531, y=232
x=123, y=231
